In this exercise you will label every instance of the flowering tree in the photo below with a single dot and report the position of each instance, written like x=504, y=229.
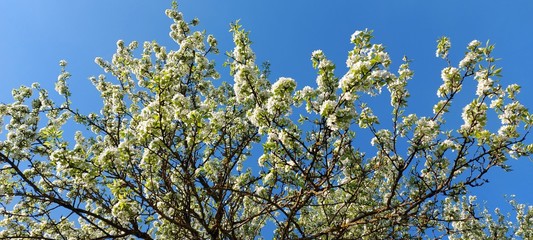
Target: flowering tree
x=169, y=154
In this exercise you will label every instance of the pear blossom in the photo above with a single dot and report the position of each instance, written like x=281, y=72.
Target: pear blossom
x=173, y=153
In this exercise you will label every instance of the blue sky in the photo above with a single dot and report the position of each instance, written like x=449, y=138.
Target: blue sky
x=35, y=35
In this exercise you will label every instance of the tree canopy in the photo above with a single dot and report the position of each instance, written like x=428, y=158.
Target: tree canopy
x=175, y=153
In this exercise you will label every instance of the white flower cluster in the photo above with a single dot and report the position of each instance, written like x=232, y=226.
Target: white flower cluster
x=22, y=93
x=249, y=88
x=473, y=45
x=469, y=60
x=443, y=46
x=61, y=84
x=281, y=96
x=448, y=144
x=452, y=82
x=472, y=56
x=366, y=117
x=341, y=119
x=367, y=65
x=485, y=84
x=426, y=131
x=63, y=63
x=474, y=116
x=328, y=107
x=325, y=80
x=512, y=113
x=306, y=94
x=357, y=34
x=258, y=117
x=124, y=210
x=383, y=140
x=179, y=29
x=398, y=87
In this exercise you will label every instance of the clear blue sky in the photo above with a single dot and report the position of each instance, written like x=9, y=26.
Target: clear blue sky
x=35, y=35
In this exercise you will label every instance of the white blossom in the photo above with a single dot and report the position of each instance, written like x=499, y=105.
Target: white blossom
x=473, y=44
x=327, y=107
